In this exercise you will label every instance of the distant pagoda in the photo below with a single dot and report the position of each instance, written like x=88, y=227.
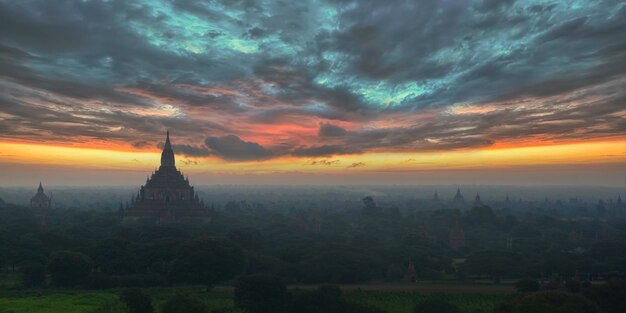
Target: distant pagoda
x=40, y=200
x=167, y=195
x=477, y=202
x=458, y=199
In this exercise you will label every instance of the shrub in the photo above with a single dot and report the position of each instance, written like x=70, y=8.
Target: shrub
x=527, y=285
x=326, y=299
x=69, y=268
x=183, y=304
x=572, y=286
x=548, y=302
x=436, y=306
x=137, y=301
x=33, y=275
x=261, y=294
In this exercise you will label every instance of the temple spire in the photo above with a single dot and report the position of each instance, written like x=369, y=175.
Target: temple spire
x=167, y=156
x=40, y=189
x=167, y=141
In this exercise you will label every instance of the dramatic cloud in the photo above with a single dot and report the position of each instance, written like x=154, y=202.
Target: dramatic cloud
x=231, y=147
x=330, y=130
x=312, y=78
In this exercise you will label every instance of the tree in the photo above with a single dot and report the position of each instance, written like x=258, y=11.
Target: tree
x=261, y=294
x=436, y=306
x=548, y=302
x=33, y=275
x=609, y=296
x=207, y=260
x=137, y=301
x=181, y=303
x=493, y=262
x=369, y=206
x=326, y=299
x=527, y=285
x=69, y=269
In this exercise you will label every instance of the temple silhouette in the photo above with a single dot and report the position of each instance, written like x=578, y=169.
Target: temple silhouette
x=40, y=200
x=167, y=194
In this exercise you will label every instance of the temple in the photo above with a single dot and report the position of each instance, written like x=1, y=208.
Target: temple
x=167, y=194
x=458, y=199
x=40, y=200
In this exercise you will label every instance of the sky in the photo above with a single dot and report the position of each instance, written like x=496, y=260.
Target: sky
x=325, y=91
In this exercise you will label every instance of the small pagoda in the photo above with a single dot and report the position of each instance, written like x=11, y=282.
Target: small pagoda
x=40, y=200
x=167, y=194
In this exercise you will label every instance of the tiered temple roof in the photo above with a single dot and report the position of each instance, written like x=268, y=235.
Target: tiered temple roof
x=167, y=194
x=40, y=200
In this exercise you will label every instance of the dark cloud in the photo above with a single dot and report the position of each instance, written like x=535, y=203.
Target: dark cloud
x=192, y=151
x=330, y=130
x=326, y=162
x=356, y=164
x=324, y=150
x=231, y=147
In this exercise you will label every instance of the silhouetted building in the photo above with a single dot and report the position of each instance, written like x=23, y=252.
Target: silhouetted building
x=436, y=197
x=167, y=194
x=40, y=200
x=457, y=237
x=477, y=201
x=458, y=199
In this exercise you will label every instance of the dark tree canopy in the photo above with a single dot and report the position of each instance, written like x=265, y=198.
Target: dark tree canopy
x=182, y=303
x=68, y=268
x=261, y=294
x=137, y=301
x=207, y=260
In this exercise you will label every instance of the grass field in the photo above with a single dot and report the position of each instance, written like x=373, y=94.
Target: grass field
x=393, y=299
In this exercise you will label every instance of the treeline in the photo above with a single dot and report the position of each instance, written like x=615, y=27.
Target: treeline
x=265, y=293
x=90, y=249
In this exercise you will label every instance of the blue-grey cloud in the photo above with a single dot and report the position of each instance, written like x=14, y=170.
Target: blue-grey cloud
x=122, y=70
x=231, y=147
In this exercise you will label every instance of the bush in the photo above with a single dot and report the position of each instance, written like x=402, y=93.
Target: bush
x=572, y=286
x=261, y=294
x=548, y=302
x=326, y=299
x=527, y=285
x=609, y=296
x=183, y=304
x=207, y=260
x=69, y=268
x=33, y=275
x=436, y=306
x=137, y=301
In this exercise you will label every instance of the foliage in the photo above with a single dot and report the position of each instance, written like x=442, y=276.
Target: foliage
x=69, y=269
x=182, y=303
x=548, y=302
x=610, y=296
x=261, y=294
x=527, y=285
x=137, y=301
x=33, y=275
x=327, y=299
x=436, y=306
x=207, y=260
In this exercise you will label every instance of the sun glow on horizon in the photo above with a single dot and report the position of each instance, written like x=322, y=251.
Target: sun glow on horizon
x=576, y=153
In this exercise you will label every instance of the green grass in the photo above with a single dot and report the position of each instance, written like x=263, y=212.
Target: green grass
x=405, y=301
x=89, y=302
x=55, y=301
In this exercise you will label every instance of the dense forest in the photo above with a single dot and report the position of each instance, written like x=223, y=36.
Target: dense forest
x=94, y=249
